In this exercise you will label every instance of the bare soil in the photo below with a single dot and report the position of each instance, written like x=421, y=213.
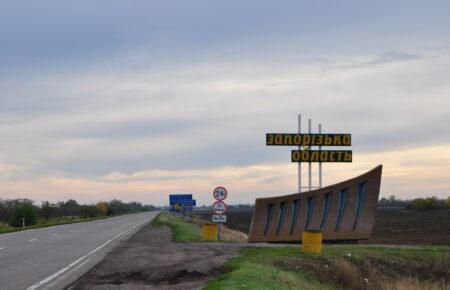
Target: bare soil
x=150, y=260
x=392, y=226
x=411, y=227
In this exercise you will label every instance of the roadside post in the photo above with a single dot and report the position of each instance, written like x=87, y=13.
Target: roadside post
x=219, y=208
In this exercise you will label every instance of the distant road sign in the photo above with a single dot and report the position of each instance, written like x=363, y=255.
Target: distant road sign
x=175, y=198
x=219, y=218
x=219, y=207
x=220, y=193
x=181, y=202
x=187, y=202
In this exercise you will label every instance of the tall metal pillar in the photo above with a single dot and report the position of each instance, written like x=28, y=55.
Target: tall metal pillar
x=309, y=163
x=320, y=163
x=299, y=148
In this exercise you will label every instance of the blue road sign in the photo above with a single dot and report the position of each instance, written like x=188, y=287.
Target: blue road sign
x=186, y=202
x=181, y=202
x=175, y=198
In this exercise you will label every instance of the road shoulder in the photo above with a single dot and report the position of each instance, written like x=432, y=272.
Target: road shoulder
x=150, y=260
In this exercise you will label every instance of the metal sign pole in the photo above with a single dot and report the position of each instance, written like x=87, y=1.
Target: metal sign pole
x=299, y=148
x=320, y=163
x=219, y=209
x=309, y=163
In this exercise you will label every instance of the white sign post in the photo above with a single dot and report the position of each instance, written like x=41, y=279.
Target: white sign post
x=219, y=218
x=219, y=207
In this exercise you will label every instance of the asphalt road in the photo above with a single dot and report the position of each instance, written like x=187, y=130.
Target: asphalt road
x=54, y=257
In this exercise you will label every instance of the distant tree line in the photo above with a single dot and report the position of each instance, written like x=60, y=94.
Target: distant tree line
x=417, y=203
x=16, y=211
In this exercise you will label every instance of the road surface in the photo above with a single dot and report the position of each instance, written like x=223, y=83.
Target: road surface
x=54, y=257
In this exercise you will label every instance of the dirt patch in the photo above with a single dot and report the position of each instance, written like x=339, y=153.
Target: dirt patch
x=150, y=260
x=372, y=272
x=411, y=227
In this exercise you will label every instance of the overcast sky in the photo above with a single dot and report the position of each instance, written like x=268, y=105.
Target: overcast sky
x=138, y=99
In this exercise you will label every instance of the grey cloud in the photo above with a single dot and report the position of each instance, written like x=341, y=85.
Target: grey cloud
x=423, y=132
x=384, y=58
x=96, y=165
x=125, y=129
x=4, y=121
x=212, y=80
x=69, y=36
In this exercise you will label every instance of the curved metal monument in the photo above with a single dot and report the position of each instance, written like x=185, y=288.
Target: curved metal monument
x=343, y=211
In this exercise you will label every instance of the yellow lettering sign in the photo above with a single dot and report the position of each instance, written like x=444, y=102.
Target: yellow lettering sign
x=321, y=156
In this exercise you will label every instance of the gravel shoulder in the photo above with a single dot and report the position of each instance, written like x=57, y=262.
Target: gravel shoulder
x=150, y=260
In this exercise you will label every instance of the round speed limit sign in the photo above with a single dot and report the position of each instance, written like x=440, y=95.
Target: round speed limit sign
x=219, y=207
x=220, y=193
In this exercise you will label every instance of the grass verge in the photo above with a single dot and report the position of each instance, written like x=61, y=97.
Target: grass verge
x=338, y=267
x=183, y=230
x=188, y=228
x=49, y=223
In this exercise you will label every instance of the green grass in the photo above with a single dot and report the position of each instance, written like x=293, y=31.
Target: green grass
x=288, y=268
x=49, y=223
x=254, y=270
x=247, y=275
x=337, y=267
x=182, y=229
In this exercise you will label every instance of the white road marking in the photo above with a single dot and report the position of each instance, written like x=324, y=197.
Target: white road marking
x=1, y=248
x=54, y=234
x=32, y=240
x=50, y=285
x=65, y=269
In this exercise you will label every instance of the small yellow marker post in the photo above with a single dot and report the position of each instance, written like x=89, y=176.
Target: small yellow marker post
x=209, y=232
x=312, y=241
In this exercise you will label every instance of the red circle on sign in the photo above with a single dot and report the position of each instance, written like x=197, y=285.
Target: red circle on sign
x=220, y=193
x=219, y=207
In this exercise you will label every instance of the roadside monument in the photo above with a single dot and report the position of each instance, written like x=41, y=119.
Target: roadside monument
x=342, y=211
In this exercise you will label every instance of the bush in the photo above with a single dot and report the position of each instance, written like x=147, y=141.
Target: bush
x=89, y=211
x=392, y=201
x=5, y=211
x=69, y=208
x=24, y=209
x=102, y=207
x=46, y=210
x=427, y=203
x=116, y=207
